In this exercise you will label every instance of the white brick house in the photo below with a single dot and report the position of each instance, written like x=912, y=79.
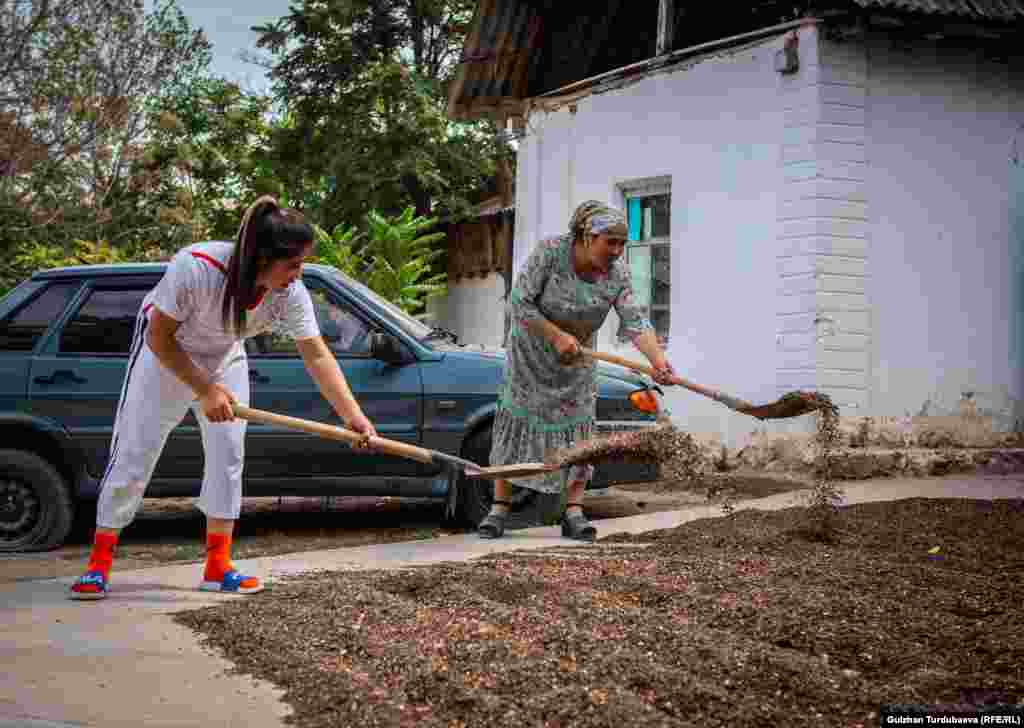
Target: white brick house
x=835, y=203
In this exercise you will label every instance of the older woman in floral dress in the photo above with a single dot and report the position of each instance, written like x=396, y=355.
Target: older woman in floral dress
x=548, y=401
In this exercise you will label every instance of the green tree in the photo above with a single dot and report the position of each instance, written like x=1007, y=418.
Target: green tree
x=74, y=113
x=365, y=83
x=210, y=144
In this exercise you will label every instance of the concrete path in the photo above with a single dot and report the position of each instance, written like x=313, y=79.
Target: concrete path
x=123, y=661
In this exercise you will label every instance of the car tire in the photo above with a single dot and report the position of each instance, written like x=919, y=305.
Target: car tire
x=529, y=508
x=36, y=512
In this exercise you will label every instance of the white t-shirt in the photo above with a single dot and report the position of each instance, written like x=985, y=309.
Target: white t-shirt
x=192, y=292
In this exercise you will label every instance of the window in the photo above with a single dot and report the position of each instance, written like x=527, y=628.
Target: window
x=23, y=329
x=18, y=295
x=410, y=325
x=104, y=325
x=344, y=332
x=649, y=253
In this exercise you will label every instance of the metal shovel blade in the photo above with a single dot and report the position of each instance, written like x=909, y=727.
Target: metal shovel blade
x=789, y=405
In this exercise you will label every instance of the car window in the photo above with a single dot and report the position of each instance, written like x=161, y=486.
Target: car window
x=413, y=327
x=22, y=329
x=18, y=295
x=104, y=324
x=344, y=332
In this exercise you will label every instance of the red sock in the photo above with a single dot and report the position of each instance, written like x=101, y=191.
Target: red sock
x=218, y=560
x=101, y=558
x=218, y=556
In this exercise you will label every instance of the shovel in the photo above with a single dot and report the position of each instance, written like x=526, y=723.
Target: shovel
x=792, y=404
x=452, y=464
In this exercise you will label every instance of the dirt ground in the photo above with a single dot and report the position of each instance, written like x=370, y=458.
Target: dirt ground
x=738, y=621
x=169, y=530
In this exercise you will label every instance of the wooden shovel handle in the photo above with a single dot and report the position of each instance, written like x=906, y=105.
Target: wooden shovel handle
x=622, y=362
x=730, y=402
x=332, y=432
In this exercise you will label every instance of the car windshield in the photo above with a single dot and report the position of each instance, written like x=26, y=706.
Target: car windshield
x=413, y=327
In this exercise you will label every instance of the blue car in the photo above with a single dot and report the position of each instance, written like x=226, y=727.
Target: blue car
x=64, y=341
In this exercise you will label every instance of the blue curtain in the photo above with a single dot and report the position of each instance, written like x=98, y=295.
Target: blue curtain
x=639, y=256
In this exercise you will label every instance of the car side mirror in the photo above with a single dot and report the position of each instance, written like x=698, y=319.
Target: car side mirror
x=386, y=348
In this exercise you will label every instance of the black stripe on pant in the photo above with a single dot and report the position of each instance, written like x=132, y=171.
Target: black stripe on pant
x=138, y=341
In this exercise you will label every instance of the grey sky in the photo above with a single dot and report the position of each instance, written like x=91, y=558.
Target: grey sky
x=227, y=23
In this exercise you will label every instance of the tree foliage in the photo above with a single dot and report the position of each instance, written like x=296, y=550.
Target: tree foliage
x=213, y=135
x=117, y=143
x=365, y=83
x=75, y=92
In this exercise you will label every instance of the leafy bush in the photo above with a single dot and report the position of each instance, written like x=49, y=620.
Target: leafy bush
x=336, y=248
x=394, y=257
x=400, y=259
x=30, y=257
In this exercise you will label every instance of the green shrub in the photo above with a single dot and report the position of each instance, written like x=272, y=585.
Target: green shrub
x=31, y=256
x=393, y=256
x=336, y=248
x=400, y=258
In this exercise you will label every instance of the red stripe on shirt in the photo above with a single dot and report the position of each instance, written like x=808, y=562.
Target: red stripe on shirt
x=220, y=266
x=212, y=261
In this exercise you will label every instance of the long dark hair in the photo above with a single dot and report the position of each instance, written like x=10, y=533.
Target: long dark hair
x=268, y=232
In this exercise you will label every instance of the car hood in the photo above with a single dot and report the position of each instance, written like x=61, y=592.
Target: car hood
x=612, y=371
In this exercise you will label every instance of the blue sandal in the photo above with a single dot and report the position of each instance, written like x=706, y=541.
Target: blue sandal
x=91, y=585
x=233, y=583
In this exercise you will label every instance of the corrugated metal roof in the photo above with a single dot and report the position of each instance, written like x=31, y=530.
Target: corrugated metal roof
x=514, y=45
x=494, y=68
x=504, y=39
x=976, y=9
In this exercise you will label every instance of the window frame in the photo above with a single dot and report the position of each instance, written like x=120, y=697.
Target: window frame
x=312, y=284
x=46, y=285
x=18, y=296
x=83, y=296
x=639, y=189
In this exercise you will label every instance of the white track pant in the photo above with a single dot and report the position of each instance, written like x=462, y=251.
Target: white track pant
x=153, y=402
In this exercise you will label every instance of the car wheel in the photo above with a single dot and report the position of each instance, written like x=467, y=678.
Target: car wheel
x=36, y=512
x=529, y=508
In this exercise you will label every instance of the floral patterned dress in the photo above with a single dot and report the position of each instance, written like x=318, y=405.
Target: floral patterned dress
x=545, y=405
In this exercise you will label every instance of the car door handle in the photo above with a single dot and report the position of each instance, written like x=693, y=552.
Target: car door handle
x=254, y=376
x=61, y=374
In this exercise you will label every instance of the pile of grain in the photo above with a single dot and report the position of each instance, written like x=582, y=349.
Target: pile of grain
x=676, y=452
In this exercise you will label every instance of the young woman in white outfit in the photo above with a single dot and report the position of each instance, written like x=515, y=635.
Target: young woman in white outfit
x=189, y=352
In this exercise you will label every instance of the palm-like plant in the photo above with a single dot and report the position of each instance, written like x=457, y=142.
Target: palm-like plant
x=337, y=248
x=399, y=256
